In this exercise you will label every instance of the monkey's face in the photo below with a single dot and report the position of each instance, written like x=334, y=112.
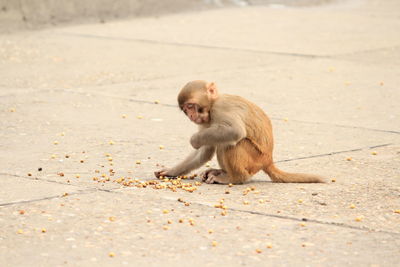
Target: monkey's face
x=196, y=113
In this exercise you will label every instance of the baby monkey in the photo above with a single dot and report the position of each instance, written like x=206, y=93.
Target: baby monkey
x=238, y=131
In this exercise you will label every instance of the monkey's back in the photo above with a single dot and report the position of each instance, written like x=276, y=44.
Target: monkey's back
x=258, y=125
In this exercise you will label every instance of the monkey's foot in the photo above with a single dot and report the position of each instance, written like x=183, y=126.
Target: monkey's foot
x=204, y=175
x=217, y=177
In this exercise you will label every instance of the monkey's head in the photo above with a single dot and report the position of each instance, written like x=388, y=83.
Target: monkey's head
x=196, y=99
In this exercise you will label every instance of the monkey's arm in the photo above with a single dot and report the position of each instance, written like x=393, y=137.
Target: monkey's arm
x=195, y=160
x=229, y=132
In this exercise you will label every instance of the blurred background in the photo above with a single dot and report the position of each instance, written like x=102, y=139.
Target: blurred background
x=33, y=14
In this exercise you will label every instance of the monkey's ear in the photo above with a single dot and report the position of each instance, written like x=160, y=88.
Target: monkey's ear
x=212, y=91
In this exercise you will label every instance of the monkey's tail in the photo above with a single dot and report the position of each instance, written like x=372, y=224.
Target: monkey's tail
x=279, y=176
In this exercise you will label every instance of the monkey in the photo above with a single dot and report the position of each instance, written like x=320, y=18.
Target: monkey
x=236, y=130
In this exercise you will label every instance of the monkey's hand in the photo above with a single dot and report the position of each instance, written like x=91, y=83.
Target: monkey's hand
x=195, y=141
x=166, y=173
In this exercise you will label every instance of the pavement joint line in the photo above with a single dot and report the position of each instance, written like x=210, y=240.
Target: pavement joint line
x=175, y=106
x=89, y=190
x=156, y=42
x=335, y=153
x=340, y=125
x=56, y=182
x=80, y=192
x=369, y=51
x=225, y=48
x=272, y=118
x=341, y=225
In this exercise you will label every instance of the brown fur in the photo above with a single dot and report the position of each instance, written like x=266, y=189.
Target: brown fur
x=240, y=132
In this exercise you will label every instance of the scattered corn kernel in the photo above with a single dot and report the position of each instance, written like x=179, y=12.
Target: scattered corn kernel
x=111, y=254
x=352, y=206
x=246, y=202
x=223, y=213
x=165, y=227
x=139, y=117
x=53, y=156
x=111, y=218
x=22, y=212
x=161, y=147
x=374, y=153
x=214, y=243
x=55, y=142
x=156, y=102
x=269, y=245
x=302, y=224
x=111, y=142
x=258, y=251
x=180, y=221
x=12, y=109
x=77, y=176
x=333, y=180
x=44, y=230
x=20, y=231
x=349, y=159
x=300, y=201
x=359, y=219
x=123, y=116
x=210, y=231
x=397, y=211
x=138, y=162
x=165, y=211
x=230, y=185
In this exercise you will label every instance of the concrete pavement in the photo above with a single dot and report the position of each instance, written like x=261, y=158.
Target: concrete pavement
x=82, y=107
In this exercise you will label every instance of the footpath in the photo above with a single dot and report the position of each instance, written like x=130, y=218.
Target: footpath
x=88, y=113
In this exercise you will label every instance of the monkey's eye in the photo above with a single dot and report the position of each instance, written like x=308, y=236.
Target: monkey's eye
x=200, y=110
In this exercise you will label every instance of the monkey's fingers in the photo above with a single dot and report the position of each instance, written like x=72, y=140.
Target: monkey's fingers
x=158, y=174
x=164, y=173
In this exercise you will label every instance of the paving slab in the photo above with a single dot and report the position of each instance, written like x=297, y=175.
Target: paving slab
x=88, y=113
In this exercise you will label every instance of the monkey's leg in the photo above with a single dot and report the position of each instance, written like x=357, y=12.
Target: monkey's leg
x=239, y=163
